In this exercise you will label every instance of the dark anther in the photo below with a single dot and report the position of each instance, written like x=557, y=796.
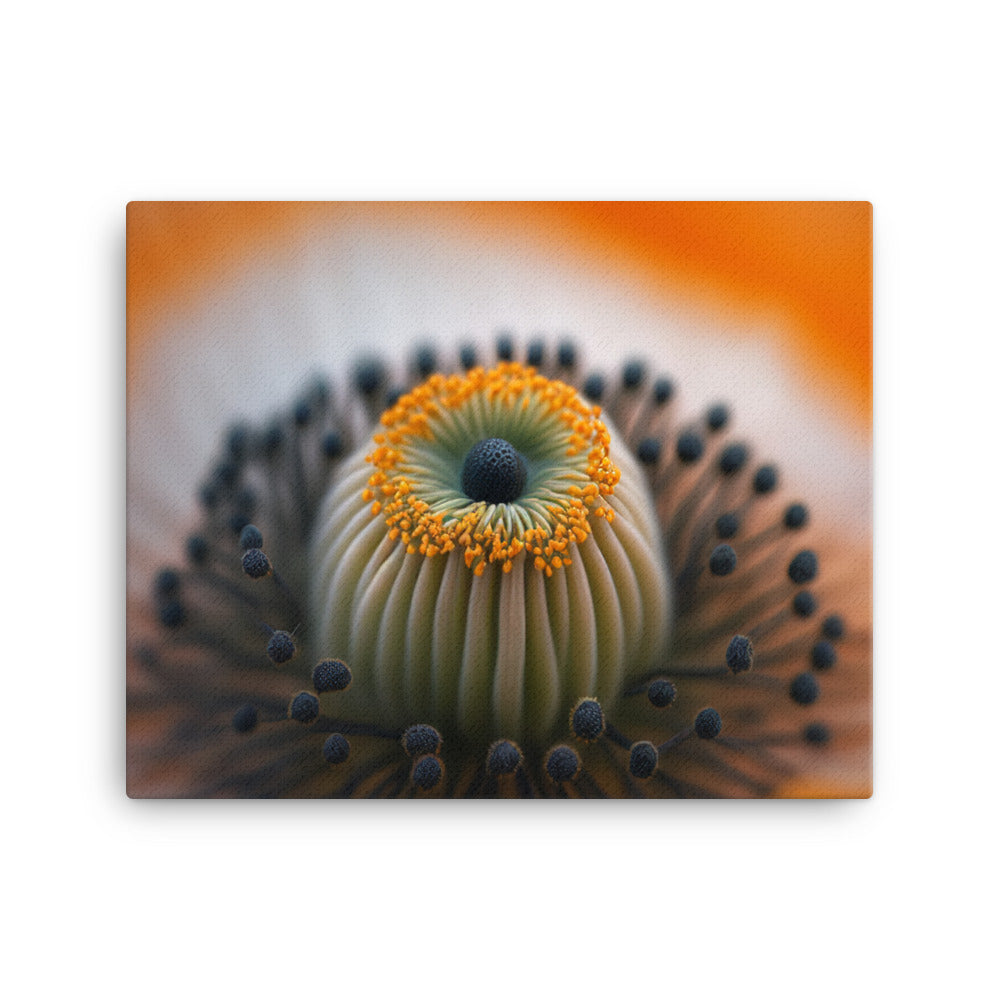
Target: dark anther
x=796, y=516
x=661, y=693
x=304, y=707
x=833, y=627
x=273, y=439
x=245, y=719
x=739, y=654
x=336, y=749
x=593, y=387
x=804, y=604
x=319, y=391
x=690, y=447
x=369, y=376
x=587, y=719
x=648, y=451
x=238, y=442
x=172, y=614
x=167, y=583
x=246, y=500
x=255, y=564
x=421, y=739
x=251, y=538
x=425, y=361
x=562, y=763
x=642, y=760
x=197, y=549
x=427, y=772
x=494, y=471
x=632, y=374
x=333, y=444
x=765, y=479
x=226, y=474
x=804, y=689
x=717, y=417
x=505, y=347
x=567, y=354
x=732, y=459
x=281, y=647
x=816, y=733
x=536, y=353
x=237, y=522
x=803, y=567
x=727, y=525
x=722, y=561
x=467, y=356
x=209, y=496
x=503, y=757
x=663, y=389
x=238, y=519
x=708, y=724
x=823, y=655
x=302, y=413
x=331, y=675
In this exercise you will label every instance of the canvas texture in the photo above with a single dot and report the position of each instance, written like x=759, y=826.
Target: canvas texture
x=499, y=500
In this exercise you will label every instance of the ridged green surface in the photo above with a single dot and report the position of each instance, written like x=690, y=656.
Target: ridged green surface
x=498, y=655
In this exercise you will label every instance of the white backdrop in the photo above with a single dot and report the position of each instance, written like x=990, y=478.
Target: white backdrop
x=109, y=102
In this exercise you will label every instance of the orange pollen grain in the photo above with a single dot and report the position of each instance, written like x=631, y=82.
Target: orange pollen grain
x=410, y=425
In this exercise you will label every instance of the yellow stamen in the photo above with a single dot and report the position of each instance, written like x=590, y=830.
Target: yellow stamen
x=487, y=533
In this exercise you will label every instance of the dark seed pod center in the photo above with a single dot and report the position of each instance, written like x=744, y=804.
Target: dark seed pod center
x=494, y=471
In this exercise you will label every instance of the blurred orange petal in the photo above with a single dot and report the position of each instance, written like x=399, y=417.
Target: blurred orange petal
x=764, y=305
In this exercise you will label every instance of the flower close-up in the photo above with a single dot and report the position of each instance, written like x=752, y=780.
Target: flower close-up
x=494, y=564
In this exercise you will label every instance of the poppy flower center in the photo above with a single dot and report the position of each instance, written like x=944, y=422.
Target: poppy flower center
x=490, y=554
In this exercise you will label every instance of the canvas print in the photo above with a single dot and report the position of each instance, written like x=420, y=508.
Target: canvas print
x=499, y=500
